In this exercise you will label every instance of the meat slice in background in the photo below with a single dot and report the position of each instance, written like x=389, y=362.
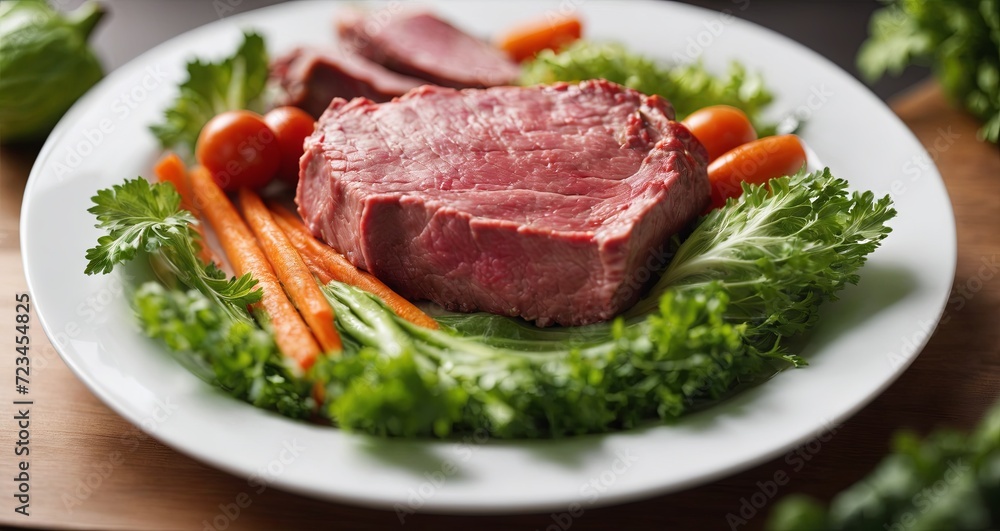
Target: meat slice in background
x=312, y=77
x=548, y=202
x=422, y=45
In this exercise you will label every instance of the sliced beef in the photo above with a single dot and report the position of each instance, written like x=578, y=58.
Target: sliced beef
x=548, y=202
x=312, y=77
x=424, y=46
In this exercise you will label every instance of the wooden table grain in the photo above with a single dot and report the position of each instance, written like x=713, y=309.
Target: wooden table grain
x=92, y=469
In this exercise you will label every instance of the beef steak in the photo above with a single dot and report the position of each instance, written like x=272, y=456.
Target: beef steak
x=422, y=45
x=311, y=77
x=543, y=202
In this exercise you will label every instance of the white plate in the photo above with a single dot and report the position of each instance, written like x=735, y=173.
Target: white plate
x=862, y=344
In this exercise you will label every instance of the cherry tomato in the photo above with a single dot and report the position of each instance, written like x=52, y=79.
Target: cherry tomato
x=720, y=128
x=291, y=126
x=239, y=149
x=755, y=163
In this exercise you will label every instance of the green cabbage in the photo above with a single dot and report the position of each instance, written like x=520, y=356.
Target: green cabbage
x=45, y=65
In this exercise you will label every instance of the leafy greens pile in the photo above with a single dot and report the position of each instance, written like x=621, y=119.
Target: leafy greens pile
x=750, y=275
x=960, y=38
x=235, y=354
x=688, y=87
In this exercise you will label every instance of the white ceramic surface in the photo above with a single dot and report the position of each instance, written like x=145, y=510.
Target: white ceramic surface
x=863, y=343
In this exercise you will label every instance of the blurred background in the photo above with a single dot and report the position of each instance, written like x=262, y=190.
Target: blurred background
x=834, y=28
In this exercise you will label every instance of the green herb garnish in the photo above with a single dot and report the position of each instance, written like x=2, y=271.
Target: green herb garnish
x=234, y=83
x=139, y=216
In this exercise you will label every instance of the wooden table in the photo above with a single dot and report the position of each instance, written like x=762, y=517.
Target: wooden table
x=92, y=469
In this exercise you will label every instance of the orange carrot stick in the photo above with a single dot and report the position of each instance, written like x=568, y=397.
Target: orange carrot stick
x=720, y=128
x=756, y=163
x=316, y=268
x=338, y=267
x=526, y=40
x=291, y=271
x=290, y=332
x=171, y=169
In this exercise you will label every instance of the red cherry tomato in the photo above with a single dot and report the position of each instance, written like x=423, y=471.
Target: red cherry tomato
x=239, y=149
x=291, y=126
x=720, y=128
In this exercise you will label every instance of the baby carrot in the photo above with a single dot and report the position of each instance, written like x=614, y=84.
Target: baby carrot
x=315, y=267
x=756, y=163
x=291, y=271
x=526, y=40
x=171, y=169
x=290, y=332
x=342, y=270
